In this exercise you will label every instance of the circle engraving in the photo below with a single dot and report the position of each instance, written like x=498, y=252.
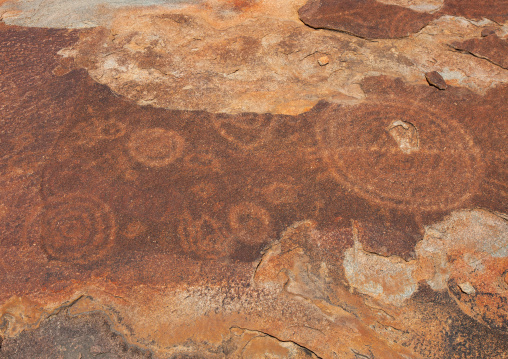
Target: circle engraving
x=156, y=147
x=250, y=223
x=438, y=170
x=76, y=228
x=247, y=131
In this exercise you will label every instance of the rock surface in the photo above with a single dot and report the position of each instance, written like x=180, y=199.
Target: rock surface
x=218, y=180
x=391, y=19
x=489, y=47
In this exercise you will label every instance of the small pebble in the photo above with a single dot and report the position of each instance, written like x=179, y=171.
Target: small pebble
x=435, y=79
x=467, y=288
x=323, y=60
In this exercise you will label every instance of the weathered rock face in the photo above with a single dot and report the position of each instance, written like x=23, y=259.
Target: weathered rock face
x=393, y=19
x=491, y=48
x=190, y=62
x=358, y=210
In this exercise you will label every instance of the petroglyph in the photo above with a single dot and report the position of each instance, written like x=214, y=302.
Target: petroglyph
x=398, y=17
x=88, y=133
x=74, y=228
x=368, y=19
x=411, y=173
x=250, y=222
x=156, y=147
x=187, y=227
x=204, y=237
x=247, y=131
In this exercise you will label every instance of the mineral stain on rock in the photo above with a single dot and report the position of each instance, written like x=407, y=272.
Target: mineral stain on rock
x=372, y=224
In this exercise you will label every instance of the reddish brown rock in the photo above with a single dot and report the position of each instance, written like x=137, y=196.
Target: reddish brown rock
x=491, y=9
x=366, y=18
x=273, y=67
x=436, y=80
x=135, y=231
x=491, y=47
x=378, y=20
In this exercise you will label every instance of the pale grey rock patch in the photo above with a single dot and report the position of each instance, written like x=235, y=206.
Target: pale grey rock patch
x=71, y=13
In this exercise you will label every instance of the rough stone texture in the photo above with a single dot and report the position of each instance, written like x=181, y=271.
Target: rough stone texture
x=68, y=13
x=435, y=79
x=367, y=227
x=491, y=9
x=378, y=20
x=489, y=47
x=88, y=335
x=170, y=60
x=366, y=18
x=256, y=56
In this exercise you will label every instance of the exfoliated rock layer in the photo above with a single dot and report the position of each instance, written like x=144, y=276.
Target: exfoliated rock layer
x=360, y=218
x=491, y=48
x=257, y=56
x=187, y=61
x=375, y=19
x=367, y=18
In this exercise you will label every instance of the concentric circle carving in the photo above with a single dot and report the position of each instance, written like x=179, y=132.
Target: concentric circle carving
x=76, y=228
x=434, y=165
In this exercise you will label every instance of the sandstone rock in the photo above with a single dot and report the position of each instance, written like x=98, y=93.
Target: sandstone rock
x=392, y=19
x=275, y=68
x=368, y=19
x=490, y=47
x=352, y=212
x=436, y=80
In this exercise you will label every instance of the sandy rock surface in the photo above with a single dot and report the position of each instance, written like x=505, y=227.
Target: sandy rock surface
x=254, y=179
